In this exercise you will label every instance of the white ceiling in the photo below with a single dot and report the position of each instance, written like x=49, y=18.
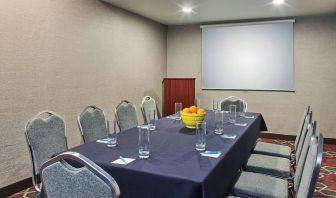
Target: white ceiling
x=169, y=11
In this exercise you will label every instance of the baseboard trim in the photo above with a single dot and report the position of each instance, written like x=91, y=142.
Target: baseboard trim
x=292, y=137
x=329, y=140
x=277, y=136
x=16, y=187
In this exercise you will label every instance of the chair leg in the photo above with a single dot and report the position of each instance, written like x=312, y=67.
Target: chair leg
x=291, y=193
x=35, y=184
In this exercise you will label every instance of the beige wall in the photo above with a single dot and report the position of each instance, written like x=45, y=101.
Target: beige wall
x=64, y=55
x=315, y=75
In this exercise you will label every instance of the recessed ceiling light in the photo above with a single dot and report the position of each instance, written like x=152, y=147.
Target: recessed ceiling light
x=187, y=9
x=278, y=2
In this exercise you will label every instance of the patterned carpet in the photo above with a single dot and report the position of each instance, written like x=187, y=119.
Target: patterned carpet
x=326, y=185
x=325, y=188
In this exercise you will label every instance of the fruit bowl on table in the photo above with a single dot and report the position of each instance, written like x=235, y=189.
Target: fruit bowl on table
x=190, y=119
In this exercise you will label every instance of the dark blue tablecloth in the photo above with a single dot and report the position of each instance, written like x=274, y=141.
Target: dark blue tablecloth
x=175, y=168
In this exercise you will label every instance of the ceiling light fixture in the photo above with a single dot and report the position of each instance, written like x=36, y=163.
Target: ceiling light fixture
x=278, y=2
x=187, y=9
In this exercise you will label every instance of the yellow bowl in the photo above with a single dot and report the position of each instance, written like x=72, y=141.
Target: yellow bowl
x=190, y=119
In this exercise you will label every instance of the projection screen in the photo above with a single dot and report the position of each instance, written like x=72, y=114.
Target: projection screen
x=248, y=56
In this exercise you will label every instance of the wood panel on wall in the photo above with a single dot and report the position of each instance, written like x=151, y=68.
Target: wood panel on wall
x=65, y=55
x=315, y=71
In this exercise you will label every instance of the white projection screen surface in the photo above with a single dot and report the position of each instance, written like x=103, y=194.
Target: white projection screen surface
x=248, y=56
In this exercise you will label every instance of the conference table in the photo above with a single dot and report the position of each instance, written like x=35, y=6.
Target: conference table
x=175, y=168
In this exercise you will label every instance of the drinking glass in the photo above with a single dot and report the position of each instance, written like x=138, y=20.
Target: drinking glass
x=215, y=104
x=200, y=136
x=197, y=102
x=152, y=120
x=232, y=112
x=113, y=141
x=144, y=141
x=178, y=109
x=219, y=119
x=241, y=109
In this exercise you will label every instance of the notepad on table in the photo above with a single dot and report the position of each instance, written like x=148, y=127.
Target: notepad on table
x=214, y=154
x=229, y=136
x=123, y=161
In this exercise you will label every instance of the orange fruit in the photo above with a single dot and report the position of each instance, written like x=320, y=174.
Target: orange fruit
x=200, y=111
x=193, y=109
x=186, y=110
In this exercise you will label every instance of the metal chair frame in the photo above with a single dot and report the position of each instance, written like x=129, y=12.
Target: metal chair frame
x=116, y=109
x=307, y=111
x=310, y=114
x=38, y=115
x=81, y=114
x=143, y=111
x=98, y=171
x=233, y=98
x=317, y=166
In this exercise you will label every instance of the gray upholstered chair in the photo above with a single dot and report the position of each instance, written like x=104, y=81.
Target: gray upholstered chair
x=148, y=106
x=303, y=156
x=279, y=166
x=92, y=124
x=241, y=105
x=45, y=136
x=303, y=136
x=60, y=179
x=125, y=114
x=281, y=150
x=311, y=170
x=259, y=185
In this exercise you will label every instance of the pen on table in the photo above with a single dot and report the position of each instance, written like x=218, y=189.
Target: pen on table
x=122, y=159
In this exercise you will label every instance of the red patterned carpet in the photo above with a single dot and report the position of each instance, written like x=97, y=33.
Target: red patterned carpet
x=325, y=188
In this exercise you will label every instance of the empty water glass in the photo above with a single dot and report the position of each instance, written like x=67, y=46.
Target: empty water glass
x=197, y=102
x=178, y=109
x=113, y=141
x=219, y=122
x=232, y=112
x=144, y=141
x=215, y=104
x=200, y=136
x=151, y=116
x=241, y=109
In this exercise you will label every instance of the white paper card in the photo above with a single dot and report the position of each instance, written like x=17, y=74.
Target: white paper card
x=122, y=161
x=214, y=154
x=240, y=124
x=229, y=136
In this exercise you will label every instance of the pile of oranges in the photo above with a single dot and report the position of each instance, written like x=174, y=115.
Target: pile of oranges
x=193, y=110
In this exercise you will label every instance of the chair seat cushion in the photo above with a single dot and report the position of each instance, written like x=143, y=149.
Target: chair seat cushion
x=260, y=186
x=272, y=149
x=269, y=165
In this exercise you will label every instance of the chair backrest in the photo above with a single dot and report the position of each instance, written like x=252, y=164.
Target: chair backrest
x=92, y=124
x=307, y=121
x=241, y=105
x=125, y=114
x=148, y=107
x=297, y=139
x=60, y=179
x=45, y=136
x=300, y=164
x=311, y=168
